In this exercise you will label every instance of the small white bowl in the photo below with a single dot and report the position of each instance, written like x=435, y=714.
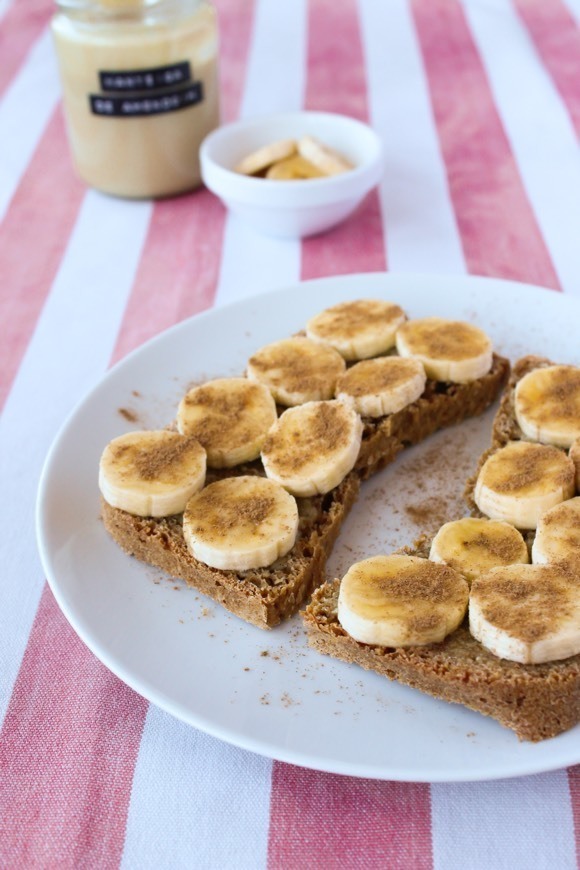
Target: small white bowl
x=292, y=209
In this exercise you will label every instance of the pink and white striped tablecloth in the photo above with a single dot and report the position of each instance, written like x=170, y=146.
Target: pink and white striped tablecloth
x=478, y=104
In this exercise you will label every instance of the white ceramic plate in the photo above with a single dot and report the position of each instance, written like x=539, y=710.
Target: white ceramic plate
x=266, y=691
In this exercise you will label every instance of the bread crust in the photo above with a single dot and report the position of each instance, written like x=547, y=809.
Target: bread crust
x=535, y=701
x=267, y=596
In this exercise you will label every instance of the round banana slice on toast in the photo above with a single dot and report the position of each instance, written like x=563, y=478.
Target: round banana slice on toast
x=473, y=546
x=401, y=601
x=312, y=447
x=450, y=350
x=382, y=386
x=357, y=330
x=240, y=523
x=521, y=481
x=153, y=473
x=527, y=613
x=557, y=537
x=230, y=417
x=547, y=405
x=297, y=370
x=574, y=454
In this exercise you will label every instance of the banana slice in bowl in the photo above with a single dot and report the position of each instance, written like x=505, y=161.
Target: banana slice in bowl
x=382, y=386
x=153, y=473
x=521, y=481
x=450, y=350
x=359, y=329
x=527, y=613
x=547, y=405
x=230, y=417
x=240, y=523
x=297, y=370
x=473, y=546
x=401, y=601
x=312, y=447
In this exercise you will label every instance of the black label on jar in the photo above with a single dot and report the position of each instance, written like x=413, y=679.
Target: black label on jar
x=140, y=105
x=139, y=80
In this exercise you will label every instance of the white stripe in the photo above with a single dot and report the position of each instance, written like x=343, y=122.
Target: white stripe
x=420, y=229
x=70, y=349
x=24, y=113
x=538, y=127
x=574, y=8
x=513, y=824
x=275, y=81
x=208, y=802
x=178, y=769
x=4, y=7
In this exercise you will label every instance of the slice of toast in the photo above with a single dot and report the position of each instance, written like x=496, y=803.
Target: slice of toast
x=266, y=596
x=535, y=701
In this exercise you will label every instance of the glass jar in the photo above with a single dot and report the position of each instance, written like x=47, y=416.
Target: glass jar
x=140, y=91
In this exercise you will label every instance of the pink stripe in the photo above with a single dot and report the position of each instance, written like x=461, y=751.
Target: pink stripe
x=179, y=269
x=337, y=83
x=499, y=232
x=327, y=821
x=20, y=27
x=68, y=749
x=72, y=730
x=316, y=819
x=574, y=783
x=39, y=221
x=557, y=40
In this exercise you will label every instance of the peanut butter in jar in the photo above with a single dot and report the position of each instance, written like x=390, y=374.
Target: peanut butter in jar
x=140, y=91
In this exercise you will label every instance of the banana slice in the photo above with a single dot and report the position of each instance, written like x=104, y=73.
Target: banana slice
x=521, y=481
x=547, y=405
x=230, y=417
x=240, y=523
x=359, y=329
x=474, y=546
x=329, y=161
x=450, y=350
x=264, y=157
x=527, y=613
x=400, y=601
x=151, y=474
x=313, y=447
x=382, y=386
x=297, y=370
x=574, y=455
x=294, y=168
x=558, y=535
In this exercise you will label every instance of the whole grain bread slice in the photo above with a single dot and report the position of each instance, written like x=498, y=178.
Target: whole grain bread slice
x=266, y=596
x=535, y=701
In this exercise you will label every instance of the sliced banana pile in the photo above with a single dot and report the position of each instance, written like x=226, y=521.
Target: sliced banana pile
x=401, y=601
x=527, y=613
x=244, y=521
x=294, y=160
